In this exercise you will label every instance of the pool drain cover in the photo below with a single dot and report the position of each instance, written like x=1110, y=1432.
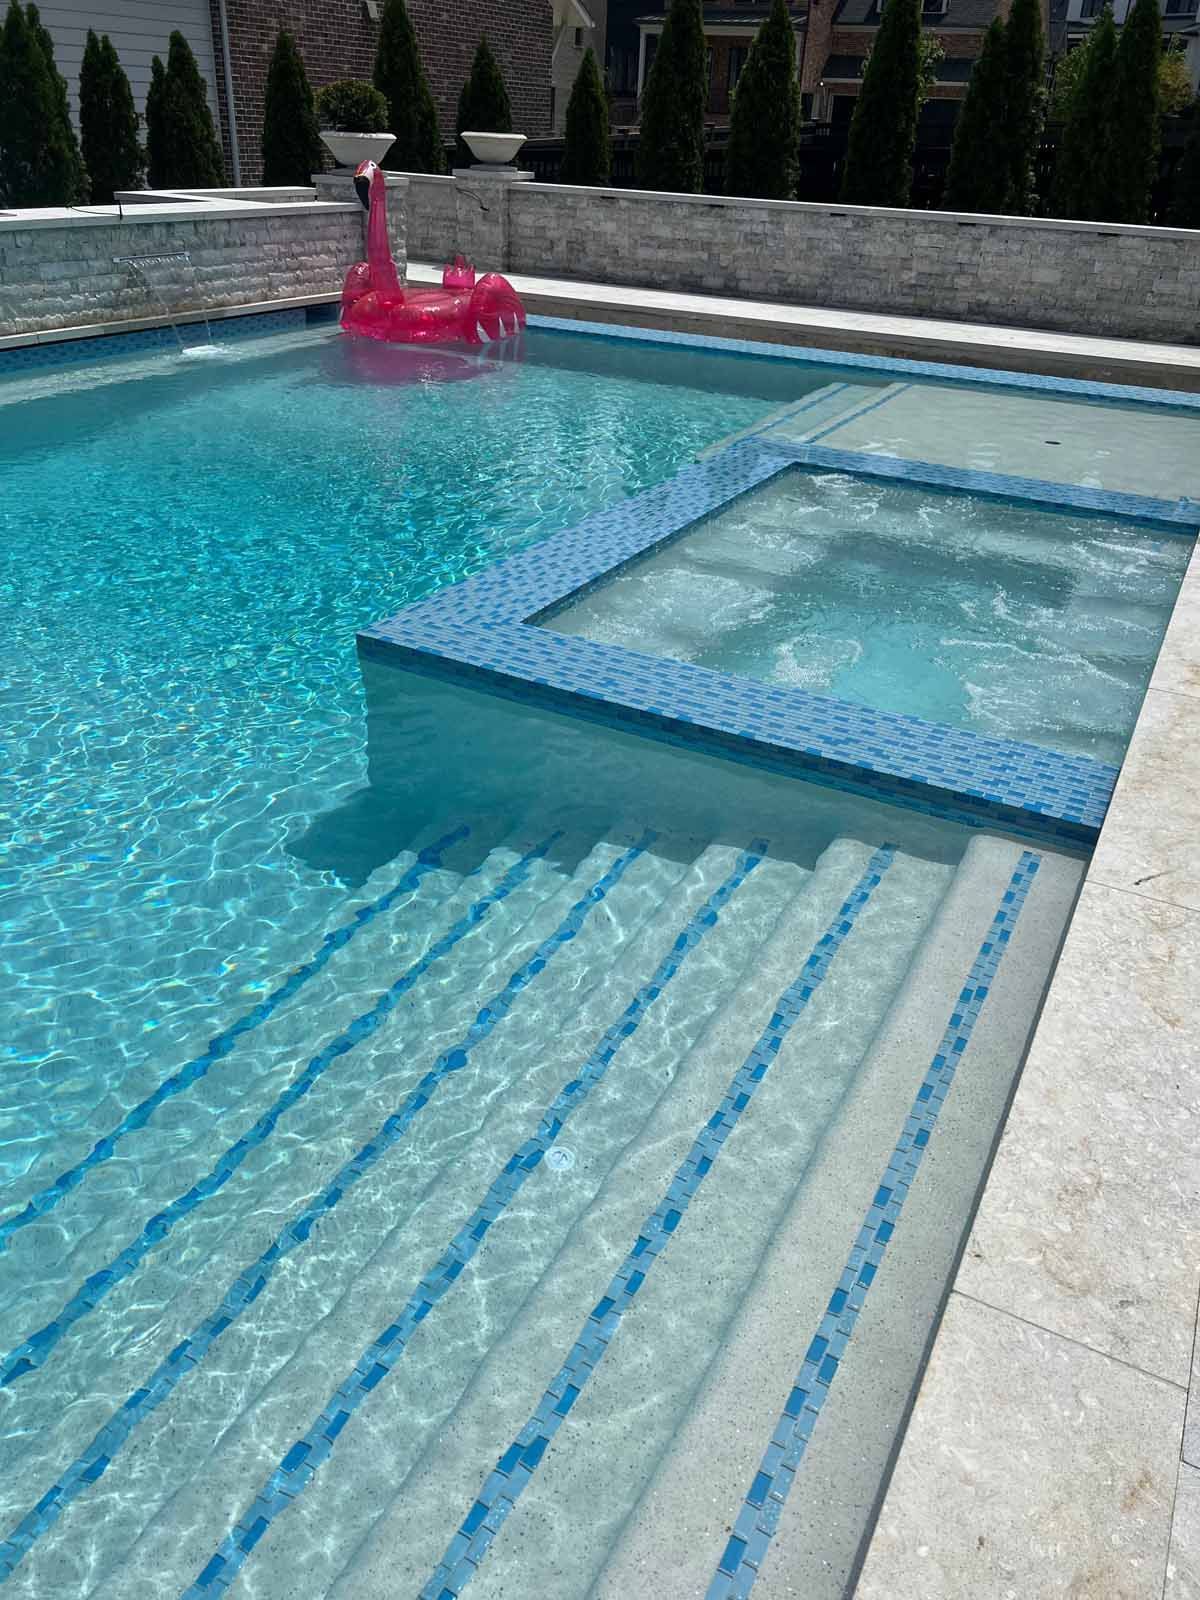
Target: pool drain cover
x=560, y=1160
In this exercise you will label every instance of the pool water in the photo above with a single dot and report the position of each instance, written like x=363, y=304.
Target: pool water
x=435, y=1129
x=1009, y=620
x=186, y=551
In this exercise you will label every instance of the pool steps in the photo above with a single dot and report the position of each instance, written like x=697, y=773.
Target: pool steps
x=286, y=1046
x=342, y=1112
x=147, y=1526
x=685, y=1304
x=304, y=1383
x=678, y=1526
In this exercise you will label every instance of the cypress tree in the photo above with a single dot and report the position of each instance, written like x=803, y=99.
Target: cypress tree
x=1185, y=200
x=108, y=123
x=483, y=105
x=588, y=155
x=671, y=142
x=291, y=143
x=37, y=165
x=74, y=174
x=1135, y=114
x=189, y=153
x=400, y=78
x=1081, y=179
x=883, y=130
x=154, y=124
x=1025, y=107
x=764, y=131
x=977, y=180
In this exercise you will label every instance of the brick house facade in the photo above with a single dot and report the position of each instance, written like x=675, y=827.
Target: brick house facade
x=833, y=39
x=337, y=39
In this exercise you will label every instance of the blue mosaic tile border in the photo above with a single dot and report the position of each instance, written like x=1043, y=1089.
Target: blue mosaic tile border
x=105, y=346
x=758, y=1518
x=377, y=1361
x=246, y=1288
x=1175, y=516
x=45, y=1200
x=516, y=1467
x=478, y=627
x=947, y=372
x=34, y=1351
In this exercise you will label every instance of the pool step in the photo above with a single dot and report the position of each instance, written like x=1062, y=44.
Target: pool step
x=346, y=1239
x=701, y=1274
x=675, y=1535
x=283, y=1399
x=158, y=1304
x=800, y=419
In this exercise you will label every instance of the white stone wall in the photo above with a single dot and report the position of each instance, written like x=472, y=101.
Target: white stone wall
x=61, y=273
x=1071, y=277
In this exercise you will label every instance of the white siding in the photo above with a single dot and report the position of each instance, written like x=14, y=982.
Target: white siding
x=139, y=29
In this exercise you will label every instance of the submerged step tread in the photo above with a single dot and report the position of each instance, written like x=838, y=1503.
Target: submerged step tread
x=639, y=893
x=589, y=1481
x=411, y=1539
x=407, y=1400
x=675, y=1531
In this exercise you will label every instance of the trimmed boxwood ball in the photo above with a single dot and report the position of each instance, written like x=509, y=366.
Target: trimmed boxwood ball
x=351, y=106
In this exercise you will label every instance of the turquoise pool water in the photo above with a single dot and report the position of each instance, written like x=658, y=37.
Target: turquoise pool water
x=363, y=1032
x=1014, y=621
x=186, y=551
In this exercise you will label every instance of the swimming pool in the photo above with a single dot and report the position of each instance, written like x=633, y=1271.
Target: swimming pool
x=391, y=1062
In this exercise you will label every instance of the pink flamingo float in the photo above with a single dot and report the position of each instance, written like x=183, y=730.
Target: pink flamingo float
x=376, y=305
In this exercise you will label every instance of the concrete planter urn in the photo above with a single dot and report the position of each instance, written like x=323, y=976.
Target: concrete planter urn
x=494, y=149
x=349, y=149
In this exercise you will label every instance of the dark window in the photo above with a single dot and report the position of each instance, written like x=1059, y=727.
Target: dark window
x=579, y=38
x=933, y=8
x=737, y=60
x=1090, y=8
x=622, y=70
x=708, y=67
x=1181, y=8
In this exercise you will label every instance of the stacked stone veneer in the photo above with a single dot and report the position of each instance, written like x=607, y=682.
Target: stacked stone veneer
x=62, y=275
x=1071, y=277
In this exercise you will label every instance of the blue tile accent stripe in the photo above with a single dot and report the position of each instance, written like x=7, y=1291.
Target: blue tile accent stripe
x=942, y=371
x=222, y=1044
x=1175, y=516
x=516, y=1466
x=864, y=410
x=246, y=1288
x=34, y=1351
x=103, y=347
x=479, y=629
x=759, y=1515
x=286, y=1483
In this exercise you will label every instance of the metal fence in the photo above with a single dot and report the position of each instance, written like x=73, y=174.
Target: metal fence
x=823, y=153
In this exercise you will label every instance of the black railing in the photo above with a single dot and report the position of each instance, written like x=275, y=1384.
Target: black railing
x=823, y=153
